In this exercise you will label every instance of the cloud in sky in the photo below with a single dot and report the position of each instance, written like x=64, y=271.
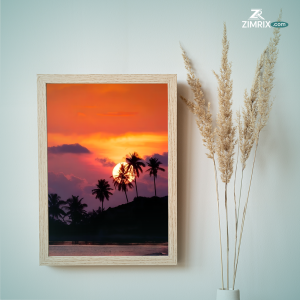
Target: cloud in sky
x=68, y=148
x=162, y=158
x=106, y=162
x=65, y=185
x=88, y=189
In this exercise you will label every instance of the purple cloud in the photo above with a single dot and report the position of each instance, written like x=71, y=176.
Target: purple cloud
x=65, y=186
x=162, y=158
x=88, y=189
x=106, y=162
x=68, y=148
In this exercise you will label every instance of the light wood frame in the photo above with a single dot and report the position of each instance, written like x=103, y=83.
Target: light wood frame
x=44, y=258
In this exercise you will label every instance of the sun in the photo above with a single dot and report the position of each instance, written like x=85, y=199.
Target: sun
x=117, y=167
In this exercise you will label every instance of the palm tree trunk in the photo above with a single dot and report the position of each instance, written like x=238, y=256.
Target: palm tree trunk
x=154, y=186
x=102, y=206
x=126, y=196
x=136, y=187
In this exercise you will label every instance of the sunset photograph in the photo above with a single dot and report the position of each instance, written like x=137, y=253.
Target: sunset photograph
x=107, y=169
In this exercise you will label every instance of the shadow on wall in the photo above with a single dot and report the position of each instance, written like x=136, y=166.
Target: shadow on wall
x=184, y=124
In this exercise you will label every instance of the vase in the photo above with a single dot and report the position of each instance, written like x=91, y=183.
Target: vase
x=228, y=294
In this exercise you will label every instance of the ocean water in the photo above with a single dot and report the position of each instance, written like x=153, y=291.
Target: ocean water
x=109, y=250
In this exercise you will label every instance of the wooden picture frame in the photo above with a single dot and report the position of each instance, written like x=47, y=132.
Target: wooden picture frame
x=44, y=258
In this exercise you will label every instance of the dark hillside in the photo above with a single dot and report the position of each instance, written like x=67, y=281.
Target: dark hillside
x=144, y=220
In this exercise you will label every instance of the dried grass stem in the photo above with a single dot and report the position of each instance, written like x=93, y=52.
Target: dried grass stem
x=218, y=202
x=244, y=216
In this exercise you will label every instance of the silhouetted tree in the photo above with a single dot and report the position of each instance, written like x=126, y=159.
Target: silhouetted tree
x=122, y=180
x=154, y=165
x=102, y=191
x=54, y=207
x=93, y=217
x=75, y=209
x=135, y=164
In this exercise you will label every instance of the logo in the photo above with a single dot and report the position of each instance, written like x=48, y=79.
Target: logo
x=256, y=15
x=279, y=24
x=256, y=20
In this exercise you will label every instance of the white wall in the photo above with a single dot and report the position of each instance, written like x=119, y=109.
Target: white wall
x=138, y=37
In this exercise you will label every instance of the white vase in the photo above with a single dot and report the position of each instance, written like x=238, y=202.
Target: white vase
x=228, y=294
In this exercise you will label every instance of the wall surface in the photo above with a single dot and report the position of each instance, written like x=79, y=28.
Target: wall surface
x=142, y=37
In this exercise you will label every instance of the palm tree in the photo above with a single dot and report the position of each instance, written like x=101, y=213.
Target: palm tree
x=103, y=191
x=75, y=209
x=54, y=207
x=135, y=164
x=122, y=180
x=154, y=167
x=94, y=217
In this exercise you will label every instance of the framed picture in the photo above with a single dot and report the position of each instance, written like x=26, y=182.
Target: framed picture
x=107, y=169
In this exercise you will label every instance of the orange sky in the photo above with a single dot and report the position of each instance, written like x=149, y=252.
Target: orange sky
x=110, y=120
